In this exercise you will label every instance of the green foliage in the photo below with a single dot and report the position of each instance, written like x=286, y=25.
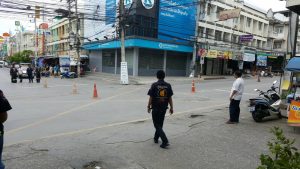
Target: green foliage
x=283, y=154
x=21, y=57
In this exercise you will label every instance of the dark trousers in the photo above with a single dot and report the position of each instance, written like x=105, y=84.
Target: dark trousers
x=158, y=118
x=21, y=78
x=1, y=146
x=234, y=110
x=30, y=77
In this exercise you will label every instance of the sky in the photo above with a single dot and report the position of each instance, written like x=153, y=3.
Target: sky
x=7, y=24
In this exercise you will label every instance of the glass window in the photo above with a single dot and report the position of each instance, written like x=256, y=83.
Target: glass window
x=108, y=58
x=248, y=22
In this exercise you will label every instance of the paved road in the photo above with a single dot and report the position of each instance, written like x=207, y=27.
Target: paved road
x=66, y=129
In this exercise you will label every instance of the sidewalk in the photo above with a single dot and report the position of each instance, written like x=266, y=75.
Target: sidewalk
x=143, y=80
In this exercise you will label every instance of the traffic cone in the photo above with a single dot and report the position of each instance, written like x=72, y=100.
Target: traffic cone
x=193, y=86
x=74, y=90
x=45, y=83
x=95, y=95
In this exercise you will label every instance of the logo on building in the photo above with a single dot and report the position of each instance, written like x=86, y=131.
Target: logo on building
x=128, y=3
x=148, y=4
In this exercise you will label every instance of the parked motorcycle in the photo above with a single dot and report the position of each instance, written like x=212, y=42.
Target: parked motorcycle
x=267, y=104
x=68, y=75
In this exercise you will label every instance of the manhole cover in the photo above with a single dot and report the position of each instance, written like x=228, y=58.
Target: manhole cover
x=196, y=115
x=93, y=165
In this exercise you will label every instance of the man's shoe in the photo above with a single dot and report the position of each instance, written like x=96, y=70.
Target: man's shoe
x=164, y=145
x=230, y=122
x=156, y=141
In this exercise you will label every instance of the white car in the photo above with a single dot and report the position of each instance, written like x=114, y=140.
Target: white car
x=2, y=64
x=23, y=71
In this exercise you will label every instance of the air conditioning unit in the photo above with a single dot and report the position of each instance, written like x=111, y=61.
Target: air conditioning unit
x=293, y=5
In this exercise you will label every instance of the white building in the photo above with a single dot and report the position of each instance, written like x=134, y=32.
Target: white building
x=223, y=38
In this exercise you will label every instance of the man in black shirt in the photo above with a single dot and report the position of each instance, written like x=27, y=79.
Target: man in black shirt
x=13, y=73
x=4, y=107
x=160, y=96
x=30, y=74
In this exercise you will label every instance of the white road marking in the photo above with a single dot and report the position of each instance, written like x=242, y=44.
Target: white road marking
x=52, y=86
x=114, y=125
x=67, y=112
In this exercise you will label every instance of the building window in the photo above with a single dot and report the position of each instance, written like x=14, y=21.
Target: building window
x=201, y=32
x=248, y=22
x=219, y=10
x=209, y=10
x=259, y=26
x=279, y=30
x=277, y=45
x=218, y=35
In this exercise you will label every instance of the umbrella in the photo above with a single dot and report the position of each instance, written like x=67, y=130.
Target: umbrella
x=293, y=65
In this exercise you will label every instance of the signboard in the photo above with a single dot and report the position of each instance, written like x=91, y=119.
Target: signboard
x=128, y=3
x=227, y=55
x=17, y=23
x=241, y=64
x=294, y=113
x=212, y=54
x=124, y=73
x=237, y=55
x=246, y=38
x=229, y=14
x=220, y=54
x=148, y=4
x=249, y=57
x=262, y=60
x=177, y=20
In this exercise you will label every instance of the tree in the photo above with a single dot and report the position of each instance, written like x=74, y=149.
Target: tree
x=23, y=56
x=283, y=154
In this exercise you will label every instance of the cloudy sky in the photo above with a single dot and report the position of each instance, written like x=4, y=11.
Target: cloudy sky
x=9, y=23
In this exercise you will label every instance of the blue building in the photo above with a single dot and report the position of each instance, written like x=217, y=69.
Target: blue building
x=159, y=35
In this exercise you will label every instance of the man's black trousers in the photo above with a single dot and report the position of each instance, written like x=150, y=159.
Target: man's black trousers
x=158, y=118
x=234, y=110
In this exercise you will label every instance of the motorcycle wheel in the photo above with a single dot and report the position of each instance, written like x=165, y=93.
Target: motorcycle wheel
x=279, y=115
x=256, y=117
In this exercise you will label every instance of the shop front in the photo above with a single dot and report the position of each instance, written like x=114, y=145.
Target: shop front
x=144, y=57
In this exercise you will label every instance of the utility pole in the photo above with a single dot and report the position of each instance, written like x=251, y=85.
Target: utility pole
x=122, y=15
x=193, y=64
x=36, y=43
x=124, y=68
x=77, y=38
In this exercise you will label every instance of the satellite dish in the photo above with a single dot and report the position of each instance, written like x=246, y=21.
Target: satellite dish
x=270, y=14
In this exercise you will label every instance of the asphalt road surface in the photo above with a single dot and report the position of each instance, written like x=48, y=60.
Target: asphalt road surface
x=53, y=124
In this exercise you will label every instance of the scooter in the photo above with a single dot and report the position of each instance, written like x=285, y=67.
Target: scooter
x=267, y=104
x=68, y=75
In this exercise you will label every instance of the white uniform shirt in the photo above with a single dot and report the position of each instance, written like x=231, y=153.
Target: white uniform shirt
x=238, y=86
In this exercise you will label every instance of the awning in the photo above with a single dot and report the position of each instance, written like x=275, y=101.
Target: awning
x=293, y=65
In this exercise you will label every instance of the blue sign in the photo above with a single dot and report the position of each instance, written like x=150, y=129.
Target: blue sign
x=177, y=20
x=110, y=11
x=128, y=3
x=140, y=43
x=148, y=4
x=262, y=60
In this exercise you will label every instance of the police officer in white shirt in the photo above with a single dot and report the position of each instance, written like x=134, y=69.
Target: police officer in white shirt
x=235, y=98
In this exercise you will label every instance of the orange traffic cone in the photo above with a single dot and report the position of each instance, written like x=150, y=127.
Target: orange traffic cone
x=95, y=95
x=193, y=86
